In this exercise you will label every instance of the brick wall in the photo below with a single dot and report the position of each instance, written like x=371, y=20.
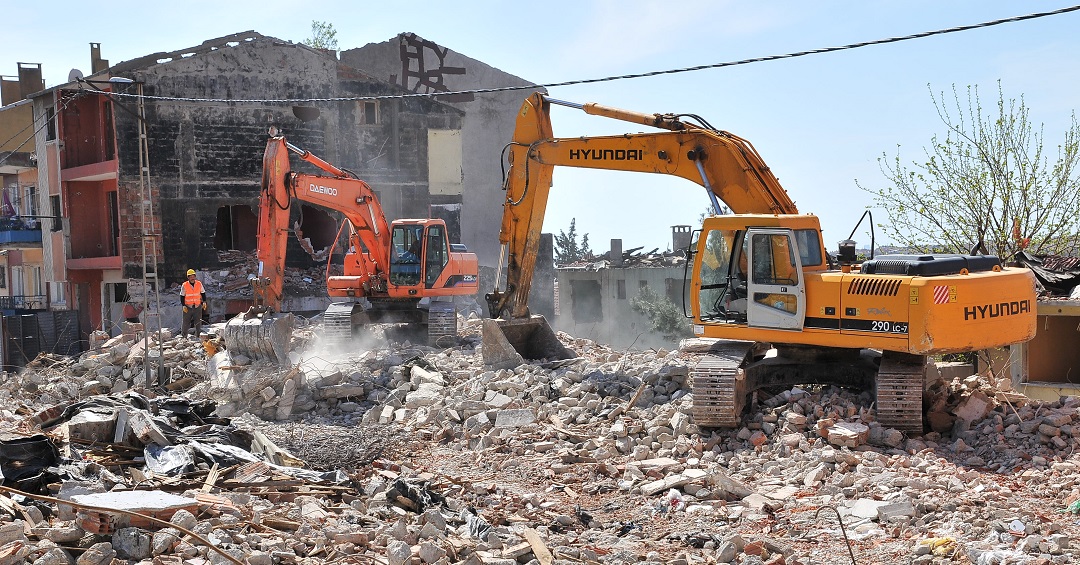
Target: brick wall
x=207, y=155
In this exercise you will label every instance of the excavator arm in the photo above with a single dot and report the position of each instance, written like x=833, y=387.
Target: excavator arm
x=341, y=192
x=727, y=166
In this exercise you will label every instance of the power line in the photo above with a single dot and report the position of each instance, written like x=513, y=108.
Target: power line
x=627, y=76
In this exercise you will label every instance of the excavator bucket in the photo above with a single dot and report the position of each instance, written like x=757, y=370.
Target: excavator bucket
x=511, y=343
x=262, y=338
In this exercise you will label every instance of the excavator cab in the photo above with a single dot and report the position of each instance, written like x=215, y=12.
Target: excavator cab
x=419, y=252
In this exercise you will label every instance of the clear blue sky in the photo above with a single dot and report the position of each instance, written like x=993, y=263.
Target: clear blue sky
x=820, y=122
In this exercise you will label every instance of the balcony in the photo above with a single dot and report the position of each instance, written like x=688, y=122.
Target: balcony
x=23, y=302
x=19, y=232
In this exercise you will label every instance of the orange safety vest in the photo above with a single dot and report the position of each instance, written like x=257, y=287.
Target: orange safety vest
x=192, y=293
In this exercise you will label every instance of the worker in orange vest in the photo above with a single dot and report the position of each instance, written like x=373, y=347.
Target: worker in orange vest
x=194, y=299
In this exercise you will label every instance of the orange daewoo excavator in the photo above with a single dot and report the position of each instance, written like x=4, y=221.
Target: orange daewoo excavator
x=406, y=271
x=760, y=279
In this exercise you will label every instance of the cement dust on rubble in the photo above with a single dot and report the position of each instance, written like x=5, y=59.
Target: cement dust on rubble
x=419, y=455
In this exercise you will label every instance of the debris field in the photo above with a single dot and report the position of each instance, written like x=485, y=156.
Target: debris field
x=397, y=453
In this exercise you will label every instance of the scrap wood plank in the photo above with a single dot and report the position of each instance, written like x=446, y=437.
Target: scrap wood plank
x=276, y=483
x=211, y=478
x=280, y=524
x=213, y=500
x=256, y=471
x=540, y=549
x=10, y=549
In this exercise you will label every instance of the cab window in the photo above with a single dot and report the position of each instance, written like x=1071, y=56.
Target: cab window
x=774, y=260
x=809, y=246
x=714, y=271
x=406, y=248
x=437, y=255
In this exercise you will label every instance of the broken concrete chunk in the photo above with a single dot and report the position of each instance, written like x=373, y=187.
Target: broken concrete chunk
x=515, y=418
x=848, y=434
x=160, y=505
x=419, y=376
x=895, y=510
x=649, y=489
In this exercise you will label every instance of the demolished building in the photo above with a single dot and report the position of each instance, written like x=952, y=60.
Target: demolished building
x=136, y=214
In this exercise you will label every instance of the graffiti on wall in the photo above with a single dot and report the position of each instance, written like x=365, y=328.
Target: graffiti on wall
x=424, y=68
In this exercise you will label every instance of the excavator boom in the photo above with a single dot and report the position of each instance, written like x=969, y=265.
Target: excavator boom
x=342, y=192
x=726, y=165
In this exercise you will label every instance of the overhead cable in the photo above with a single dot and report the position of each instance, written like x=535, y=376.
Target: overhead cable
x=622, y=77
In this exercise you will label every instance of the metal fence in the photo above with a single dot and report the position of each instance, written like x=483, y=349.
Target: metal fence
x=23, y=302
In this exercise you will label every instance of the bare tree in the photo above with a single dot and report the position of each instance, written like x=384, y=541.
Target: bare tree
x=989, y=180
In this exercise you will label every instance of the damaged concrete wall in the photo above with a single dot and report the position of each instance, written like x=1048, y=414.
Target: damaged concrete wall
x=421, y=65
x=600, y=307
x=208, y=155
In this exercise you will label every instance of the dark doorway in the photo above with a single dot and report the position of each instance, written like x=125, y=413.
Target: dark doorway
x=237, y=228
x=585, y=301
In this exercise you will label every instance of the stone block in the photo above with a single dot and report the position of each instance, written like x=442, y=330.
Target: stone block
x=515, y=418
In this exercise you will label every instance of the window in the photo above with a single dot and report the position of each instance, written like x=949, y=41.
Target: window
x=437, y=255
x=368, y=113
x=29, y=206
x=643, y=283
x=620, y=289
x=405, y=250
x=50, y=123
x=3, y=277
x=585, y=302
x=809, y=247
x=37, y=286
x=57, y=221
x=114, y=223
x=714, y=271
x=59, y=296
x=774, y=261
x=18, y=286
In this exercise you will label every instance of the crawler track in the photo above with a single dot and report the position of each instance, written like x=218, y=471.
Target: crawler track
x=899, y=384
x=719, y=385
x=338, y=322
x=442, y=324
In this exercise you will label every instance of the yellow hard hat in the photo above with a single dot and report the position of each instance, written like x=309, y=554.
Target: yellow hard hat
x=190, y=272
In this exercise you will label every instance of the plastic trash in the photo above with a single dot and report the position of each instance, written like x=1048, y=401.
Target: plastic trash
x=940, y=547
x=675, y=500
x=171, y=460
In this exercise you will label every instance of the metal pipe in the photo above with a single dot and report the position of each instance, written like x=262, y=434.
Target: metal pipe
x=499, y=265
x=564, y=103
x=708, y=186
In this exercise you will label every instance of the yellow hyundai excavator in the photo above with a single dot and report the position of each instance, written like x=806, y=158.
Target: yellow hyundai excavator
x=760, y=279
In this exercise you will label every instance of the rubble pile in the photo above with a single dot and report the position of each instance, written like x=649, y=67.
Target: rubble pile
x=631, y=258
x=118, y=365
x=415, y=455
x=231, y=280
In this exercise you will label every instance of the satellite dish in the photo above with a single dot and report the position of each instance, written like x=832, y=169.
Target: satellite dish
x=74, y=75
